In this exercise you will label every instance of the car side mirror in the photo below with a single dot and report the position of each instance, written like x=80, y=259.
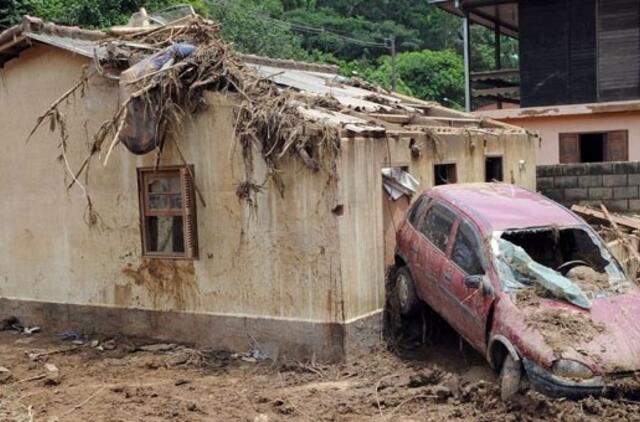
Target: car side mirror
x=474, y=281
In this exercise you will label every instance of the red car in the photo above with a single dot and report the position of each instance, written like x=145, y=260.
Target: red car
x=527, y=283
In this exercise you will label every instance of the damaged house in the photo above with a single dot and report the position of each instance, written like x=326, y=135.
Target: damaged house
x=174, y=189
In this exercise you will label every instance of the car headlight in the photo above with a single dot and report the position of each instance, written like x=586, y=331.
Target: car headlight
x=571, y=369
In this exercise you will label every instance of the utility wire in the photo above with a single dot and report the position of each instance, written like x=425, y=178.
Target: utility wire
x=308, y=29
x=389, y=42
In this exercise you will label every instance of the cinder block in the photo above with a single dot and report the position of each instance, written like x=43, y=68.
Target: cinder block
x=625, y=167
x=574, y=169
x=599, y=168
x=593, y=181
x=574, y=195
x=626, y=192
x=548, y=171
x=620, y=205
x=598, y=194
x=565, y=182
x=633, y=179
x=634, y=205
x=544, y=183
x=614, y=180
x=555, y=194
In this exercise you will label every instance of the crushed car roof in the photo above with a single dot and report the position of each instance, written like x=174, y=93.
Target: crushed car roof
x=499, y=206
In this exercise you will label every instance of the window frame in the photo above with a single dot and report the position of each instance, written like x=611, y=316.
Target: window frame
x=433, y=204
x=145, y=176
x=478, y=238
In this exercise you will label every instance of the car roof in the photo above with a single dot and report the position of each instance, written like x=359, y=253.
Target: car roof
x=500, y=206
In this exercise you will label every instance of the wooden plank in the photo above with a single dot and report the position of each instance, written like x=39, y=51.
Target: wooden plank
x=392, y=118
x=586, y=212
x=619, y=233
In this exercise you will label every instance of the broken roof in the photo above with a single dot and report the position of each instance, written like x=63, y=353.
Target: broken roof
x=364, y=109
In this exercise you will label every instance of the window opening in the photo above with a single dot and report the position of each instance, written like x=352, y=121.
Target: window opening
x=493, y=169
x=445, y=174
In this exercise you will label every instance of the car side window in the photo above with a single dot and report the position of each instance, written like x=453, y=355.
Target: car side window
x=437, y=226
x=467, y=250
x=417, y=211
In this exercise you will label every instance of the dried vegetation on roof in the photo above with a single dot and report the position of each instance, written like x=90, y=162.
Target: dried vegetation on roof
x=268, y=122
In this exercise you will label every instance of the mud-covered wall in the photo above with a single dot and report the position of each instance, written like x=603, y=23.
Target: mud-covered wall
x=278, y=261
x=361, y=226
x=314, y=255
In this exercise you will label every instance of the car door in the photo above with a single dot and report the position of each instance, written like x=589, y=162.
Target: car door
x=471, y=305
x=435, y=231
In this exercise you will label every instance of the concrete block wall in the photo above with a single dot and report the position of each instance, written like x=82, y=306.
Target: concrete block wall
x=615, y=184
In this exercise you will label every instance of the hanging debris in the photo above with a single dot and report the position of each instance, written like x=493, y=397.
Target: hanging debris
x=162, y=88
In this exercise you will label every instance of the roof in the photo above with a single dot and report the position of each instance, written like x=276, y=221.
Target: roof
x=500, y=206
x=488, y=13
x=71, y=38
x=361, y=109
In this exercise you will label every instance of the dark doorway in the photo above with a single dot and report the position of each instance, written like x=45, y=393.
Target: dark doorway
x=592, y=147
x=493, y=171
x=445, y=174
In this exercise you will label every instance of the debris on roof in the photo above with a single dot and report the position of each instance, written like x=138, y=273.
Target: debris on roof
x=283, y=107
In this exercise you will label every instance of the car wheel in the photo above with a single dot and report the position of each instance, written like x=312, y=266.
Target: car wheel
x=510, y=377
x=405, y=290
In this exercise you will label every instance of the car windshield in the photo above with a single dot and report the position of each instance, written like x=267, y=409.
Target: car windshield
x=569, y=263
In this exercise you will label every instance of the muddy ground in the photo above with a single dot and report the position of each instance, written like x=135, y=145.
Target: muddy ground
x=437, y=382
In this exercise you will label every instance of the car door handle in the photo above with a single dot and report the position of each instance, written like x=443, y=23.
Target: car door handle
x=415, y=249
x=447, y=277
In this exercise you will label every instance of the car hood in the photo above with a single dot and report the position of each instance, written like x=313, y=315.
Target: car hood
x=607, y=337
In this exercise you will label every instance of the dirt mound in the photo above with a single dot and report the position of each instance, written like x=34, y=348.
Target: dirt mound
x=563, y=328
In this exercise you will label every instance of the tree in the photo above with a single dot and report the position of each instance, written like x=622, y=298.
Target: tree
x=429, y=75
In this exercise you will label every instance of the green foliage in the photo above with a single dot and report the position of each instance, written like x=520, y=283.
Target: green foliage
x=430, y=75
x=246, y=24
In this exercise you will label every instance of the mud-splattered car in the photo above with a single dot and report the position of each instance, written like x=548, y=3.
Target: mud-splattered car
x=527, y=283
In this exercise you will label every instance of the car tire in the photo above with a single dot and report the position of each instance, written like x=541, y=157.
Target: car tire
x=405, y=291
x=510, y=377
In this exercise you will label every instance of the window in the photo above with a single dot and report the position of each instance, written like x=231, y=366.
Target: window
x=444, y=174
x=493, y=169
x=418, y=209
x=437, y=226
x=594, y=147
x=467, y=250
x=168, y=212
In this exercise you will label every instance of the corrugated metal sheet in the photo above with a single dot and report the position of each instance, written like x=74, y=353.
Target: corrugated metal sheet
x=84, y=48
x=324, y=84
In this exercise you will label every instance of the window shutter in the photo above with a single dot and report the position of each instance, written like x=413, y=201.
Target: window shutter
x=616, y=146
x=189, y=205
x=569, y=148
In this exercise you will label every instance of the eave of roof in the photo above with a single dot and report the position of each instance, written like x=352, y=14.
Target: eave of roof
x=488, y=13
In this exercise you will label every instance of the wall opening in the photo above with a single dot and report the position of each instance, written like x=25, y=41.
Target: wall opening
x=592, y=147
x=493, y=169
x=444, y=174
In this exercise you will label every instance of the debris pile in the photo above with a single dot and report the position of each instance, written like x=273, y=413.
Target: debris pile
x=621, y=233
x=190, y=58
